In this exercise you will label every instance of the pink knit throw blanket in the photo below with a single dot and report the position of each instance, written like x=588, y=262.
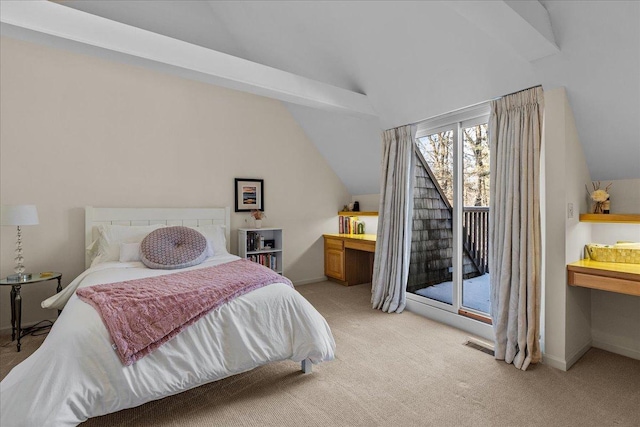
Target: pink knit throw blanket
x=143, y=314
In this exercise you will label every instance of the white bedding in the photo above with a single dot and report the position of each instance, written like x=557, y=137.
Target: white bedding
x=76, y=374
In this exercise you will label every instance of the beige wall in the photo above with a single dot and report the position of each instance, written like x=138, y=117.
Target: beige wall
x=77, y=131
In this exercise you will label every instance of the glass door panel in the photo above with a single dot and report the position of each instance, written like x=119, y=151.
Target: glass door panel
x=475, y=218
x=431, y=268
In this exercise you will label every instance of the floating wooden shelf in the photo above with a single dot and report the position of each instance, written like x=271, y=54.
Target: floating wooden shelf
x=628, y=218
x=352, y=213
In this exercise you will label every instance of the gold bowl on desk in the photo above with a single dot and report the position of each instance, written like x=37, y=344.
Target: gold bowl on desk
x=623, y=252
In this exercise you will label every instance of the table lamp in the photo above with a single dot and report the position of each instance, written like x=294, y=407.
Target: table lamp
x=19, y=215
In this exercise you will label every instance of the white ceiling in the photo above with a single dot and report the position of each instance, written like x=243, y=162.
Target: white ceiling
x=416, y=60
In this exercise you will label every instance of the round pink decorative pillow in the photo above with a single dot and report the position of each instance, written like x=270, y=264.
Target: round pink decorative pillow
x=173, y=247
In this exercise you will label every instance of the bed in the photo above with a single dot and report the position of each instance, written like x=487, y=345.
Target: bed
x=76, y=375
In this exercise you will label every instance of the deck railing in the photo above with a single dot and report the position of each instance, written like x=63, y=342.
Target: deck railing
x=475, y=223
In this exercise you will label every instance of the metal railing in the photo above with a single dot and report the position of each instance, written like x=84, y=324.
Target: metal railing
x=475, y=229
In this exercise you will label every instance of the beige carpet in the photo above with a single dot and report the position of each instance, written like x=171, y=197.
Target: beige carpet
x=394, y=369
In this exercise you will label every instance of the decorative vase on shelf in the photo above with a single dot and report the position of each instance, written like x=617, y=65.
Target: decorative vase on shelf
x=258, y=223
x=600, y=198
x=598, y=207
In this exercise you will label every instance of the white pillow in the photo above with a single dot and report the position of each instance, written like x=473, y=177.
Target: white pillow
x=210, y=251
x=129, y=252
x=92, y=249
x=110, y=237
x=216, y=240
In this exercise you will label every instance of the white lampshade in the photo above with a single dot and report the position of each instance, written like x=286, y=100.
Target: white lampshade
x=19, y=215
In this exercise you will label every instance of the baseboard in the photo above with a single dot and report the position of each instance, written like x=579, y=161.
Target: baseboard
x=565, y=364
x=307, y=281
x=618, y=349
x=578, y=354
x=554, y=362
x=466, y=324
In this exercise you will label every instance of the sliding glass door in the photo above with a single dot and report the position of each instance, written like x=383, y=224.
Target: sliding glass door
x=475, y=218
x=432, y=248
x=449, y=252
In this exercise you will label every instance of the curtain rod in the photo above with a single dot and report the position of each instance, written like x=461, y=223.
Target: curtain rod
x=470, y=106
x=521, y=90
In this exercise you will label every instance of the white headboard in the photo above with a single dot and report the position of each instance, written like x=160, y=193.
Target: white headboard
x=190, y=217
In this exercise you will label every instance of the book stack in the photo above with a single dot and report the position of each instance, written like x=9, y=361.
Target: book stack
x=254, y=241
x=350, y=225
x=268, y=260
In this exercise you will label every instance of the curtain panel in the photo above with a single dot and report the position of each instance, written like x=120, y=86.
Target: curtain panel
x=515, y=128
x=393, y=243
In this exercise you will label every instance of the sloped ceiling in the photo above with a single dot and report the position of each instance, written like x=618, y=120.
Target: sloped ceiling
x=416, y=60
x=599, y=64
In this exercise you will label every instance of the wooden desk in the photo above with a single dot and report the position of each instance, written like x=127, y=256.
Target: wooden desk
x=606, y=276
x=348, y=258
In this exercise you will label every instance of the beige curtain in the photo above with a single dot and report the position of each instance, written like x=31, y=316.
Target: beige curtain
x=515, y=128
x=393, y=243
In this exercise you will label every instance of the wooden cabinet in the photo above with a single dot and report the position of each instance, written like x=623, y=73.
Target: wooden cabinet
x=334, y=258
x=348, y=258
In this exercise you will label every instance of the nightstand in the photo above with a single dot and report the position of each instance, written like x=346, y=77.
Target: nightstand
x=16, y=301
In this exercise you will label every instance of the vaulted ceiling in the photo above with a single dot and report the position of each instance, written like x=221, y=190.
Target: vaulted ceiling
x=416, y=60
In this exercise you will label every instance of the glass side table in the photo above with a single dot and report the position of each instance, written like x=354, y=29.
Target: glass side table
x=16, y=301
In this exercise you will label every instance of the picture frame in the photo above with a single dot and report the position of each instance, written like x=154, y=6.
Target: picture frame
x=249, y=194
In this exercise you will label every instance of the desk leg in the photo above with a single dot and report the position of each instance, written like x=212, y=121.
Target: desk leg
x=18, y=308
x=58, y=289
x=13, y=313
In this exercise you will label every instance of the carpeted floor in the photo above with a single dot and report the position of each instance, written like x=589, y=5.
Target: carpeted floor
x=394, y=369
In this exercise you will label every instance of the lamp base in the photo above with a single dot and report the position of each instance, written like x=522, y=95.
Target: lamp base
x=19, y=277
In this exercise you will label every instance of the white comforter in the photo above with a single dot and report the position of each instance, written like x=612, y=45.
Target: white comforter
x=76, y=374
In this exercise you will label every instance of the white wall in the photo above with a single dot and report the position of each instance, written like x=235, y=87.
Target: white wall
x=77, y=131
x=553, y=232
x=615, y=318
x=577, y=318
x=566, y=311
x=576, y=175
x=368, y=203
x=624, y=195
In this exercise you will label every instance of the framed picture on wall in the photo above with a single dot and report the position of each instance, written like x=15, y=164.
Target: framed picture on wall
x=249, y=194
